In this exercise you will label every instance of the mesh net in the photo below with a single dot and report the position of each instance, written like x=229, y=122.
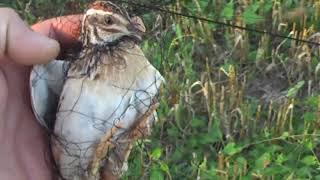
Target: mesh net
x=230, y=74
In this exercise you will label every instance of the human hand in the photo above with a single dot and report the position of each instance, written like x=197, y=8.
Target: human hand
x=24, y=145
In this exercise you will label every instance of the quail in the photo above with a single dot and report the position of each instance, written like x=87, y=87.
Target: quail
x=102, y=99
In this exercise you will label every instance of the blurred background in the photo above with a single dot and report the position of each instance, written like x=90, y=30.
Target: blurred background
x=238, y=103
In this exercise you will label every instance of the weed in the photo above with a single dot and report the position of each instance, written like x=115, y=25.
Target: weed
x=237, y=104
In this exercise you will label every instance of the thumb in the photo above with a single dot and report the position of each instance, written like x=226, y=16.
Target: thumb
x=22, y=45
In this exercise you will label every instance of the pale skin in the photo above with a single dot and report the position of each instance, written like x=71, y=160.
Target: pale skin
x=23, y=142
x=24, y=151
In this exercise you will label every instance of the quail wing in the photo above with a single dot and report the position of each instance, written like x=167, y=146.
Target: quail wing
x=46, y=83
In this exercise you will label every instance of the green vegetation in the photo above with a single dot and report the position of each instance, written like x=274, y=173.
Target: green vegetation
x=237, y=104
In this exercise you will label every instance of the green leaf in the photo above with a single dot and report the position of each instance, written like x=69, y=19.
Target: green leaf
x=156, y=174
x=164, y=167
x=197, y=123
x=263, y=161
x=304, y=172
x=179, y=32
x=267, y=6
x=254, y=7
x=276, y=170
x=156, y=153
x=209, y=138
x=281, y=158
x=288, y=3
x=225, y=68
x=294, y=90
x=250, y=16
x=242, y=162
x=310, y=117
x=210, y=174
x=173, y=132
x=228, y=11
x=216, y=130
x=231, y=149
x=312, y=101
x=177, y=155
x=309, y=160
x=309, y=144
x=285, y=135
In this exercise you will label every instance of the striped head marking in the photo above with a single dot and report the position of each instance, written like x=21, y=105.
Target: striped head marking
x=105, y=23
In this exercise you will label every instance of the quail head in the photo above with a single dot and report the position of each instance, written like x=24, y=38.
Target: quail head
x=99, y=102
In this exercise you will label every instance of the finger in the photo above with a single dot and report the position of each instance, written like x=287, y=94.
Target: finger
x=65, y=29
x=21, y=44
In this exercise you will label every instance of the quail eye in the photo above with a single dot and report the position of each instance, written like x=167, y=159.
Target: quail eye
x=108, y=20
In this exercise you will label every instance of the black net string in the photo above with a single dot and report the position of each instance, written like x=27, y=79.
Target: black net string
x=142, y=104
x=100, y=123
